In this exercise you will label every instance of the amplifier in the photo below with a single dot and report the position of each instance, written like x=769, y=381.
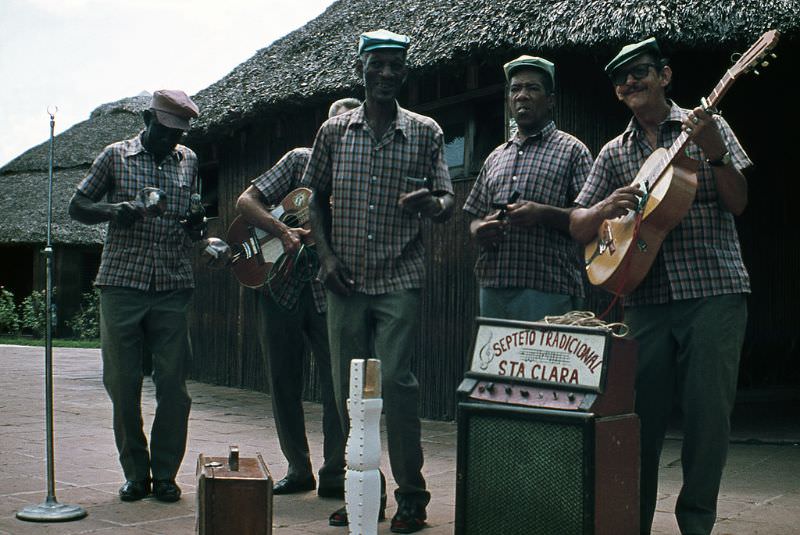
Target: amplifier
x=523, y=471
x=234, y=496
x=547, y=440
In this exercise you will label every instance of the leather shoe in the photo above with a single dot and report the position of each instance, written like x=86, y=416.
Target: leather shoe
x=165, y=490
x=409, y=518
x=339, y=516
x=132, y=491
x=289, y=485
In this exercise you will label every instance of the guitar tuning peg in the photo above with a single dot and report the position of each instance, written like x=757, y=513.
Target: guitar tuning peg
x=773, y=55
x=765, y=63
x=756, y=72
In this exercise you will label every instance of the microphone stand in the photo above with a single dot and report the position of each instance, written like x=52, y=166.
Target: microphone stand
x=50, y=510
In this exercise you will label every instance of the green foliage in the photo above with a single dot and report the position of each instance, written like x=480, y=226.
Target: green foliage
x=86, y=323
x=9, y=318
x=33, y=313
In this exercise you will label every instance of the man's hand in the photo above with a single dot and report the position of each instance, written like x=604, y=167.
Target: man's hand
x=620, y=202
x=421, y=201
x=292, y=238
x=489, y=231
x=703, y=130
x=217, y=253
x=125, y=214
x=523, y=214
x=335, y=275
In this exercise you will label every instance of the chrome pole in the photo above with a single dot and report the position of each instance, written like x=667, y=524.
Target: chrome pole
x=50, y=510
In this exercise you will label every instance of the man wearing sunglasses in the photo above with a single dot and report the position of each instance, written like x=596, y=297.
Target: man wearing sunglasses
x=690, y=311
x=146, y=281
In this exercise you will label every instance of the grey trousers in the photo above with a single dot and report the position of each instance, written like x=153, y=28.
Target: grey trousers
x=384, y=327
x=128, y=319
x=283, y=336
x=688, y=354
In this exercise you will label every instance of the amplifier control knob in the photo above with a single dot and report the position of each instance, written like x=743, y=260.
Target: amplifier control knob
x=490, y=387
x=508, y=390
x=481, y=388
x=524, y=393
x=571, y=396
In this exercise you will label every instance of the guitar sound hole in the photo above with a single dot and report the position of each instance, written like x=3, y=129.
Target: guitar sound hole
x=291, y=220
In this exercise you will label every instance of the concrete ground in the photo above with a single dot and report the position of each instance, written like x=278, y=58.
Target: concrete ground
x=760, y=491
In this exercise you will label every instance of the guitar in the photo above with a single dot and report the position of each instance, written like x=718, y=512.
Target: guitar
x=255, y=250
x=626, y=247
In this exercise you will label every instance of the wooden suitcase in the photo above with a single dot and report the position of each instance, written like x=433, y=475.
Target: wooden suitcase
x=234, y=496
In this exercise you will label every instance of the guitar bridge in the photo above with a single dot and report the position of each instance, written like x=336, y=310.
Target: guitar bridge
x=252, y=247
x=607, y=240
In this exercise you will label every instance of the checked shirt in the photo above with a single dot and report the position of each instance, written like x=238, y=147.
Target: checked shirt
x=153, y=250
x=549, y=167
x=379, y=243
x=281, y=179
x=700, y=257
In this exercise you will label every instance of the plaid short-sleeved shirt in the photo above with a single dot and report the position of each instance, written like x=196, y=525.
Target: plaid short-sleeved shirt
x=549, y=168
x=380, y=243
x=275, y=185
x=154, y=249
x=700, y=257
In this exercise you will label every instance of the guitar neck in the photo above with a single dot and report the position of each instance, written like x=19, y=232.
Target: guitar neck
x=680, y=142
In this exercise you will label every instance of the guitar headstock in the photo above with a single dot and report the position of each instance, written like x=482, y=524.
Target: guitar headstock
x=756, y=55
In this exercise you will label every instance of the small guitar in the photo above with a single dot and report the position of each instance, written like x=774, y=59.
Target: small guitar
x=255, y=250
x=626, y=247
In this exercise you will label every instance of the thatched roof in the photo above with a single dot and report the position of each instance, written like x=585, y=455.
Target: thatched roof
x=316, y=61
x=24, y=180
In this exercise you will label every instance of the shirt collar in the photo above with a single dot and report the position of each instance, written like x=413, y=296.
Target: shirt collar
x=676, y=115
x=134, y=146
x=546, y=131
x=358, y=119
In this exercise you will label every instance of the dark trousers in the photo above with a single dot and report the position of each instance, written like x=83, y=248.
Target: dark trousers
x=688, y=353
x=283, y=335
x=129, y=319
x=384, y=327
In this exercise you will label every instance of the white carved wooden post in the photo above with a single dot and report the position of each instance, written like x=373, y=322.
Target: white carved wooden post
x=363, y=481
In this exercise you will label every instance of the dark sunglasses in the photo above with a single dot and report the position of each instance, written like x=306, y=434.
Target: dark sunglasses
x=620, y=76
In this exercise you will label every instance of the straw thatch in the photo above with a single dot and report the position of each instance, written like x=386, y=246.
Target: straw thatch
x=24, y=180
x=316, y=60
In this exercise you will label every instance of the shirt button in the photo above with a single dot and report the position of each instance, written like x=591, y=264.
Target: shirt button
x=374, y=178
x=369, y=236
x=371, y=206
x=520, y=153
x=159, y=168
x=514, y=177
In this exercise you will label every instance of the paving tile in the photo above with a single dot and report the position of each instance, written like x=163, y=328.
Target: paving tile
x=760, y=491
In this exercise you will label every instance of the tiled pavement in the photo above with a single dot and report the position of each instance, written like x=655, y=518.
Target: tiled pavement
x=760, y=492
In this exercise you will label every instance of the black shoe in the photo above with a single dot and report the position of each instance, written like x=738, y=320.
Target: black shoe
x=289, y=485
x=331, y=491
x=409, y=518
x=165, y=490
x=132, y=491
x=339, y=516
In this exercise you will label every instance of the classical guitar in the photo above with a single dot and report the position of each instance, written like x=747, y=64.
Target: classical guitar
x=255, y=250
x=625, y=247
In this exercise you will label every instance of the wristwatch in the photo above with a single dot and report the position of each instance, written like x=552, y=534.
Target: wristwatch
x=722, y=161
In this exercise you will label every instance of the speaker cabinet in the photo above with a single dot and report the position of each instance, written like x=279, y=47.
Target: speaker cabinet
x=530, y=471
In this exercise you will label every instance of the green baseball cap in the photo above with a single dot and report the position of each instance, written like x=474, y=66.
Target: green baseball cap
x=530, y=62
x=632, y=51
x=382, y=39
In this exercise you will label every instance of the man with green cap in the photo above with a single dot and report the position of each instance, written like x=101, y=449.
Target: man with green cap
x=528, y=266
x=689, y=313
x=377, y=172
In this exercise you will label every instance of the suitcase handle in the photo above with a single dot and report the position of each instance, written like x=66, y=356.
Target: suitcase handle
x=233, y=459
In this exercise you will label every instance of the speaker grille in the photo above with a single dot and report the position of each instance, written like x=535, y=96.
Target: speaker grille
x=524, y=477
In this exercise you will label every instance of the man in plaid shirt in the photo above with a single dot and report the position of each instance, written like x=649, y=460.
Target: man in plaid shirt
x=377, y=172
x=290, y=311
x=528, y=266
x=689, y=313
x=145, y=280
